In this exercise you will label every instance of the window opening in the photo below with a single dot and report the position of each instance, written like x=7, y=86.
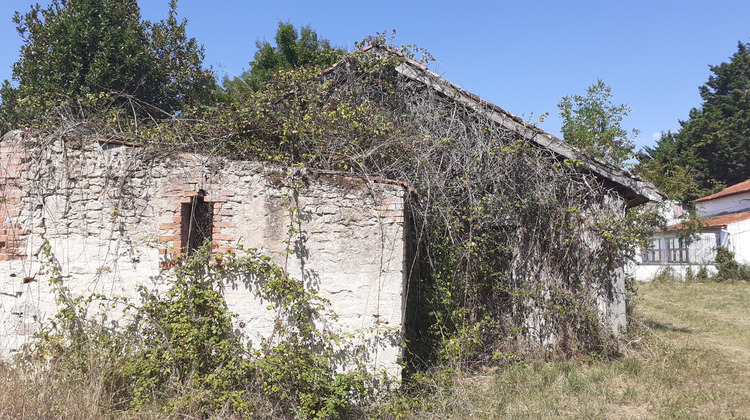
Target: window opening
x=197, y=223
x=676, y=250
x=666, y=250
x=653, y=253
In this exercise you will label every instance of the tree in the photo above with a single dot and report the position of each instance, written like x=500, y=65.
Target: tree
x=293, y=50
x=73, y=48
x=592, y=124
x=184, y=81
x=713, y=145
x=673, y=173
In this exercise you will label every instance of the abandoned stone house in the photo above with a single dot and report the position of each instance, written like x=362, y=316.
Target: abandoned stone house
x=114, y=218
x=109, y=216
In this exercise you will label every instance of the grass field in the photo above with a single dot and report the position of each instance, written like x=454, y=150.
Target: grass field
x=688, y=357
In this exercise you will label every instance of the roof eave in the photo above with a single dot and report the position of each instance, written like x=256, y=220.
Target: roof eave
x=635, y=190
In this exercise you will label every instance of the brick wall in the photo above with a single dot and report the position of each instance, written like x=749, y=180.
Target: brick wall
x=217, y=197
x=13, y=164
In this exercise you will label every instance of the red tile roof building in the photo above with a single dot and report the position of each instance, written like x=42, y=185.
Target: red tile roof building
x=740, y=188
x=725, y=219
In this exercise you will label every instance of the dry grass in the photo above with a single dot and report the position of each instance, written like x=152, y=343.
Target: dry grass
x=689, y=357
x=26, y=395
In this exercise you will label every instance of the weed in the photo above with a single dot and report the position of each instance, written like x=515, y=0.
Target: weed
x=631, y=366
x=702, y=274
x=666, y=275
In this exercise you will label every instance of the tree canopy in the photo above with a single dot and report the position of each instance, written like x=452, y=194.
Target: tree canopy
x=74, y=48
x=179, y=64
x=293, y=49
x=592, y=124
x=712, y=148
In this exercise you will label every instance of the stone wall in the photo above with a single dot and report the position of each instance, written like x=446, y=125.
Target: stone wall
x=111, y=216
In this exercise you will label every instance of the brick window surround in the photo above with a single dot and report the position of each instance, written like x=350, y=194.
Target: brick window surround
x=198, y=214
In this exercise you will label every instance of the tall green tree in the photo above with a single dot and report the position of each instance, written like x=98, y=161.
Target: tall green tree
x=182, y=79
x=73, y=48
x=592, y=123
x=294, y=49
x=712, y=148
x=674, y=173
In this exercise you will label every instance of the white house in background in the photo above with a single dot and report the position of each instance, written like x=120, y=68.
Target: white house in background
x=726, y=222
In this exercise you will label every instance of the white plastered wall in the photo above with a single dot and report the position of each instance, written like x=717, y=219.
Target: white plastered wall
x=102, y=210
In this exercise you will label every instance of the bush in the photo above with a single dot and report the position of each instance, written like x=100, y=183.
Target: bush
x=702, y=273
x=666, y=275
x=179, y=353
x=728, y=268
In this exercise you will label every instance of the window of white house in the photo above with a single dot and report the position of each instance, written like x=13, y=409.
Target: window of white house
x=672, y=250
x=676, y=250
x=652, y=254
x=666, y=250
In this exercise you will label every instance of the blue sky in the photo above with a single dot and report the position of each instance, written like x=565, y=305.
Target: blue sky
x=522, y=56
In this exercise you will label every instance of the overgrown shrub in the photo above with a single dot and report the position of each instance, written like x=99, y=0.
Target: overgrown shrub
x=666, y=275
x=728, y=268
x=514, y=242
x=178, y=350
x=702, y=273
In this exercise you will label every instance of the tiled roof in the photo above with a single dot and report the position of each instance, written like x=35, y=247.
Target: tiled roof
x=740, y=188
x=717, y=221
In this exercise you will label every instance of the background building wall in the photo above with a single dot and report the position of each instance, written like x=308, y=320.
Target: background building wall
x=739, y=240
x=731, y=204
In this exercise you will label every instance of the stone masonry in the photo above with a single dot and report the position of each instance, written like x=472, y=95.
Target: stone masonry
x=109, y=217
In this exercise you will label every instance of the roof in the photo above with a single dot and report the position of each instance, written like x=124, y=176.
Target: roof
x=635, y=190
x=718, y=221
x=740, y=188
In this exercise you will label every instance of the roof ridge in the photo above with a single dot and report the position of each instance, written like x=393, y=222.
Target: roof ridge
x=735, y=189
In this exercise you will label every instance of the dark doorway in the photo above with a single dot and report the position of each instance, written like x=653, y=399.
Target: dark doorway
x=197, y=223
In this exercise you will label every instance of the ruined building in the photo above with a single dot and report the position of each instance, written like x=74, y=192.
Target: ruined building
x=105, y=217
